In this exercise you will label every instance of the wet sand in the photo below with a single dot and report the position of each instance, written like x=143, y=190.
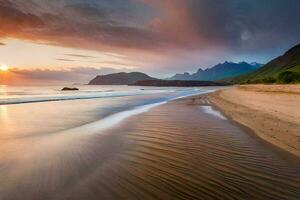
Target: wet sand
x=271, y=111
x=175, y=151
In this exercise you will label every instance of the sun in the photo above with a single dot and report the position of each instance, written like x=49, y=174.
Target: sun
x=4, y=68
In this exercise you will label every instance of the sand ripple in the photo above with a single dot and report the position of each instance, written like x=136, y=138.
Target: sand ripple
x=172, y=152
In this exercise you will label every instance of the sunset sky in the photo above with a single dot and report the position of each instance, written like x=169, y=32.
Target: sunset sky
x=77, y=39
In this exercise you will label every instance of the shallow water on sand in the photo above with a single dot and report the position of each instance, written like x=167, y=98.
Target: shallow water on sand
x=174, y=151
x=31, y=111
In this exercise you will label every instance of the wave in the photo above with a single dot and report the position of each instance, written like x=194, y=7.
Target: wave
x=116, y=118
x=78, y=96
x=211, y=111
x=36, y=98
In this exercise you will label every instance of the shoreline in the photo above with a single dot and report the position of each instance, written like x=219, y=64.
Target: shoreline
x=192, y=153
x=280, y=131
x=172, y=151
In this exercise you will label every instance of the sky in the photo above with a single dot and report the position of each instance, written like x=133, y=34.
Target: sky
x=75, y=40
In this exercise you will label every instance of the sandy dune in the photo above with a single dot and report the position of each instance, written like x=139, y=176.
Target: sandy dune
x=272, y=111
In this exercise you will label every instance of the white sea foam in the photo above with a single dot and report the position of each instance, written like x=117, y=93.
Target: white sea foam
x=75, y=96
x=116, y=118
x=113, y=119
x=211, y=111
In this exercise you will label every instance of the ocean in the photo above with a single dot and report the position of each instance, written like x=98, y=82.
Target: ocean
x=37, y=110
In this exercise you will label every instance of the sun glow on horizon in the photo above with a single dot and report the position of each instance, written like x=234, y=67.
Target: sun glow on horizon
x=4, y=68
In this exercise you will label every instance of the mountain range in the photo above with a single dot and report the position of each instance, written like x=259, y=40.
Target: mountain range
x=283, y=69
x=219, y=71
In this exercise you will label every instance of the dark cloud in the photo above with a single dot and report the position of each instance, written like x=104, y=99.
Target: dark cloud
x=190, y=23
x=14, y=20
x=2, y=44
x=86, y=24
x=156, y=28
x=247, y=24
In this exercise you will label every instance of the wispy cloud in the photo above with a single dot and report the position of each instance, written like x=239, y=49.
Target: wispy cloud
x=80, y=56
x=64, y=59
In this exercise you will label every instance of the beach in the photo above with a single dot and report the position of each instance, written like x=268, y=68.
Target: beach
x=149, y=100
x=271, y=111
x=180, y=149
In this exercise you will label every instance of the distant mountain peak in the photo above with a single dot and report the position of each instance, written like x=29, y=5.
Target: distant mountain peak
x=256, y=64
x=218, y=72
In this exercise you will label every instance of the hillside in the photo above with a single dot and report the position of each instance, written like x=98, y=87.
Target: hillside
x=286, y=66
x=121, y=78
x=219, y=71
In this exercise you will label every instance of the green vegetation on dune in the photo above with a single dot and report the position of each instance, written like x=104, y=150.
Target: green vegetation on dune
x=284, y=69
